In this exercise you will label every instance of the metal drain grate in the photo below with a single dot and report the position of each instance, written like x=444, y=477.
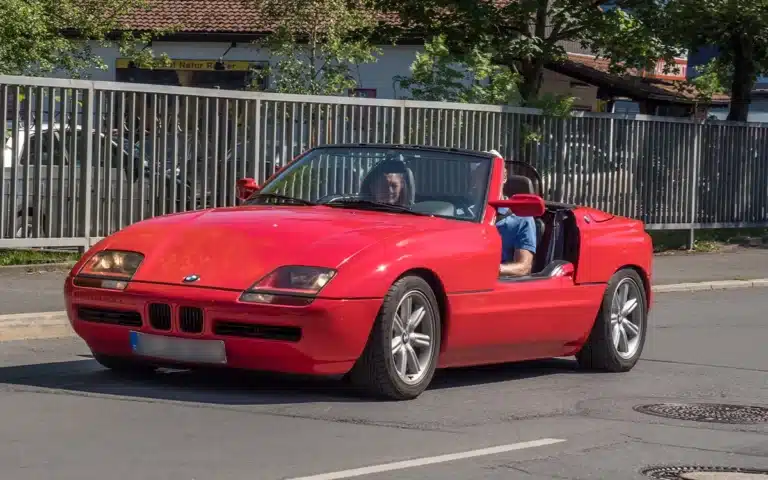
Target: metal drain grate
x=707, y=412
x=680, y=472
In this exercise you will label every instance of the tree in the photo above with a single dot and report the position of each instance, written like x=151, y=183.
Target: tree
x=738, y=28
x=437, y=75
x=316, y=43
x=526, y=35
x=42, y=36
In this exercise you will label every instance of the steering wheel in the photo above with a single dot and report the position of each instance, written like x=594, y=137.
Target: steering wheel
x=331, y=197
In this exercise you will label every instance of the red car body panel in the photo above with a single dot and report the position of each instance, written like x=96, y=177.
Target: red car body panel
x=609, y=243
x=331, y=339
x=485, y=319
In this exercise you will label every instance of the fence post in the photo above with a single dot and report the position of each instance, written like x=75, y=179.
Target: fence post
x=259, y=164
x=86, y=177
x=694, y=182
x=402, y=123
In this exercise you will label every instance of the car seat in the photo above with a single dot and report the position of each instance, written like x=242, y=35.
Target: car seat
x=520, y=184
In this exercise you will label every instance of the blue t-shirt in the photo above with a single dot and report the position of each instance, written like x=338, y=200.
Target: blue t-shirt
x=517, y=233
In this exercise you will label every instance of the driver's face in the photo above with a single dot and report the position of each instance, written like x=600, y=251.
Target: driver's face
x=389, y=187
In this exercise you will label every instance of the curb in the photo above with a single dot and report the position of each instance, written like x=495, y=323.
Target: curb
x=38, y=267
x=35, y=326
x=715, y=285
x=39, y=326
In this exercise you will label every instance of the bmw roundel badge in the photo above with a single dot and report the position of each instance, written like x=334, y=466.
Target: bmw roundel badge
x=191, y=278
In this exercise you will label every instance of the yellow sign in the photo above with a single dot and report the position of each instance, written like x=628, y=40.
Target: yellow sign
x=197, y=65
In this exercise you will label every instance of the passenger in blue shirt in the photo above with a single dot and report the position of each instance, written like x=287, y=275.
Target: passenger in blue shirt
x=518, y=245
x=518, y=240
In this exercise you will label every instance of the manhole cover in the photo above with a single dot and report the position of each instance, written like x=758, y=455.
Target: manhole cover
x=699, y=472
x=707, y=412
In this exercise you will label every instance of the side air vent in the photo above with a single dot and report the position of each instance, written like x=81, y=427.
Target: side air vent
x=252, y=330
x=125, y=318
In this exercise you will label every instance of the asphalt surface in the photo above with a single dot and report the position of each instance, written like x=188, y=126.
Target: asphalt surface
x=32, y=292
x=65, y=417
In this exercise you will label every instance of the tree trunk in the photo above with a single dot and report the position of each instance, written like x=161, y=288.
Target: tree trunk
x=533, y=73
x=532, y=69
x=743, y=79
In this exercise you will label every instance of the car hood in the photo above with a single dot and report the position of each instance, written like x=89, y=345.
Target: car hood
x=232, y=248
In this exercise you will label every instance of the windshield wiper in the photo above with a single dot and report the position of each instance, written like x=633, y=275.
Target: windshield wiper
x=278, y=196
x=374, y=205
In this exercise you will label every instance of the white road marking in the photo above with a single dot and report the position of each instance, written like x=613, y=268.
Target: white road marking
x=420, y=462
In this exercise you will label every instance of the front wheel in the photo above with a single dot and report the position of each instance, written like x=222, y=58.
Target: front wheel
x=618, y=336
x=401, y=355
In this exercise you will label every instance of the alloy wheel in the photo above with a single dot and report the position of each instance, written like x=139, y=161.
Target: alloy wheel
x=413, y=331
x=626, y=318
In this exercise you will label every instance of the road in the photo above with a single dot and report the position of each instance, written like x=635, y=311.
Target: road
x=64, y=417
x=40, y=291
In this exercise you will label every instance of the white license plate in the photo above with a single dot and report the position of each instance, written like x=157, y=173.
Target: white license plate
x=178, y=349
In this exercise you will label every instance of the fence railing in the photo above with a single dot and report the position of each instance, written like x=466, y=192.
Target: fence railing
x=154, y=150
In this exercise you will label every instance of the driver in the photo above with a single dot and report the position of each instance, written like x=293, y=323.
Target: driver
x=390, y=185
x=518, y=237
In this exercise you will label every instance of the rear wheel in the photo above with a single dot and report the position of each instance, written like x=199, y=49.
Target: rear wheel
x=400, y=357
x=123, y=366
x=618, y=336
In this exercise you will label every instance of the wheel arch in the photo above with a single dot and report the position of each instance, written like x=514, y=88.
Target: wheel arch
x=433, y=279
x=645, y=277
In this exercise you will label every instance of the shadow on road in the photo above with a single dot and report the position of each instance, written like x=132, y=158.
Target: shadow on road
x=225, y=387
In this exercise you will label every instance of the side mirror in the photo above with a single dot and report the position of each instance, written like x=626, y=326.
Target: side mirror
x=245, y=188
x=522, y=205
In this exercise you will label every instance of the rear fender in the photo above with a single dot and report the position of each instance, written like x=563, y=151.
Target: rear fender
x=609, y=243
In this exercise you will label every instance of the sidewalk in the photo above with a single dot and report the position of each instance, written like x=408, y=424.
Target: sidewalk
x=740, y=264
x=22, y=292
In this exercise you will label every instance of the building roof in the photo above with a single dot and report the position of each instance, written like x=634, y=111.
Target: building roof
x=204, y=16
x=220, y=16
x=596, y=71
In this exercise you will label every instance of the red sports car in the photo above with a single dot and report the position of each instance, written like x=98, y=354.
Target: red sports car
x=376, y=263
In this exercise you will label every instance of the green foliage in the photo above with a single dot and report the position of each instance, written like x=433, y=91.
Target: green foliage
x=438, y=75
x=713, y=78
x=738, y=28
x=316, y=44
x=526, y=35
x=559, y=106
x=33, y=40
x=631, y=41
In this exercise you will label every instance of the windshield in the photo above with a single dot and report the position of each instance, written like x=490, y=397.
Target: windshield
x=400, y=180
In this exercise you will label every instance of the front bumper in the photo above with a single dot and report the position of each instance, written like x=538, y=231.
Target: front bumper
x=323, y=338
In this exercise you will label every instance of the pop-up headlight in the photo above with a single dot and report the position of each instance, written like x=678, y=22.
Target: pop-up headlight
x=110, y=269
x=289, y=285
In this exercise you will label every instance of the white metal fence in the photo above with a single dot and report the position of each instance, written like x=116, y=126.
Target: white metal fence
x=168, y=149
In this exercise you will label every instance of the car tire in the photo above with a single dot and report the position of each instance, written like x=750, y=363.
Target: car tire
x=622, y=317
x=377, y=370
x=123, y=366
